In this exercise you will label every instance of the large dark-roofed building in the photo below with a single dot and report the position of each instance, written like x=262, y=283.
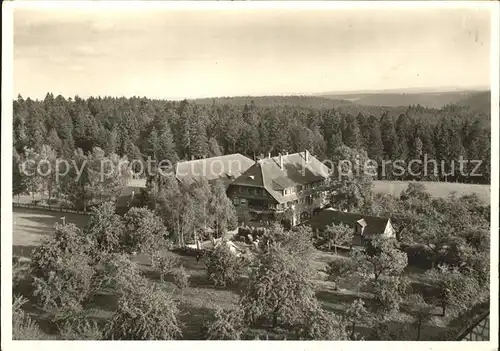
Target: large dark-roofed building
x=275, y=184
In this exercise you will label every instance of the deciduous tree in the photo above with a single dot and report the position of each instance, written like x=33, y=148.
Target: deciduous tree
x=419, y=310
x=337, y=235
x=223, y=267
x=106, y=228
x=227, y=324
x=147, y=313
x=389, y=292
x=354, y=314
x=279, y=290
x=222, y=209
x=143, y=231
x=350, y=183
x=381, y=258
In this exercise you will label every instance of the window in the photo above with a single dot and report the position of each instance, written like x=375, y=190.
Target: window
x=243, y=201
x=240, y=189
x=236, y=201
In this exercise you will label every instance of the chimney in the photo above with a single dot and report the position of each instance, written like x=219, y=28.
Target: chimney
x=281, y=161
x=307, y=156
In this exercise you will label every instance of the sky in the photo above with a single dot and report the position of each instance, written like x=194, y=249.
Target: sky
x=182, y=53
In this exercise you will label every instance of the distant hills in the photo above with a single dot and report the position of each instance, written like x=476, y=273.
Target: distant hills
x=476, y=100
x=366, y=102
x=281, y=100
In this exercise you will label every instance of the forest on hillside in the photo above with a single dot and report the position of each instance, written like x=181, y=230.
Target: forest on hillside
x=255, y=126
x=475, y=100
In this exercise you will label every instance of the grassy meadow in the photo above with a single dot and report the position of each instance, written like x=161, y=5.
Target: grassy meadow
x=197, y=301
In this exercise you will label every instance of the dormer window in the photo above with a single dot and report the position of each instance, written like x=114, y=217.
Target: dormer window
x=360, y=226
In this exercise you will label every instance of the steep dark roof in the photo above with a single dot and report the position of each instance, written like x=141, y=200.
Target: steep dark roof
x=328, y=216
x=266, y=173
x=226, y=168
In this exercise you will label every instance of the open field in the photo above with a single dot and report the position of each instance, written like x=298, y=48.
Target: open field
x=198, y=300
x=436, y=189
x=31, y=226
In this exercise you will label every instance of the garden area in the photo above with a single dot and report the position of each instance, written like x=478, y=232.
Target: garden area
x=218, y=295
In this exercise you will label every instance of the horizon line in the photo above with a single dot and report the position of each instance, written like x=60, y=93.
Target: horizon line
x=407, y=90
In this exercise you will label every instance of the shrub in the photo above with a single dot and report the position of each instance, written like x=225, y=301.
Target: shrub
x=143, y=230
x=226, y=325
x=165, y=265
x=88, y=330
x=180, y=277
x=321, y=325
x=338, y=269
x=74, y=324
x=244, y=232
x=69, y=283
x=21, y=278
x=147, y=313
x=23, y=328
x=67, y=240
x=223, y=267
x=61, y=268
x=116, y=271
x=389, y=293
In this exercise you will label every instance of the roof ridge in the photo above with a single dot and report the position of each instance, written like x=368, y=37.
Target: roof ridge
x=215, y=157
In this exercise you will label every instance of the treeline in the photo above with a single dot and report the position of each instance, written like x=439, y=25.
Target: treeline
x=84, y=180
x=140, y=127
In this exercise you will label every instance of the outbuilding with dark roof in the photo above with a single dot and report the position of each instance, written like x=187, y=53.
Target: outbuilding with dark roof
x=364, y=227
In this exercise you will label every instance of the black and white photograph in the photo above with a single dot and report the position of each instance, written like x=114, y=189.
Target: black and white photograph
x=250, y=171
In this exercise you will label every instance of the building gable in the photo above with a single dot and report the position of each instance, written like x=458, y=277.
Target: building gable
x=285, y=175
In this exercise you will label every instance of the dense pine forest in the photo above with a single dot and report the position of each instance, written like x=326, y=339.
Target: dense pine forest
x=255, y=126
